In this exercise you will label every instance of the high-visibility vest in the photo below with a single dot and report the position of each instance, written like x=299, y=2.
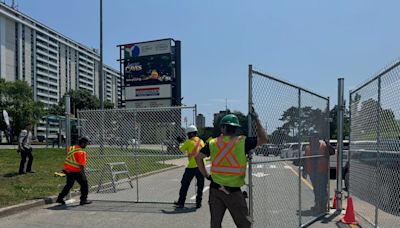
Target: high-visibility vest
x=195, y=152
x=70, y=163
x=317, y=164
x=229, y=160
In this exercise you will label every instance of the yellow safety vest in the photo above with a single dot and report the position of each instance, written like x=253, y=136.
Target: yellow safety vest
x=229, y=160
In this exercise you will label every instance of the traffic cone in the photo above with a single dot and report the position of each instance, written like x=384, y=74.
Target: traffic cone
x=334, y=201
x=349, y=217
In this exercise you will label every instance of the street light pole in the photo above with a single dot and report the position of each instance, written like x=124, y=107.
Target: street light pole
x=101, y=79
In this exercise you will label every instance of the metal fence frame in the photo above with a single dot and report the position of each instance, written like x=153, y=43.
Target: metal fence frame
x=137, y=175
x=379, y=118
x=252, y=72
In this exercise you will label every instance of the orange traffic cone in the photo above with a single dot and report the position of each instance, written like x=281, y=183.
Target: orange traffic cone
x=334, y=201
x=349, y=217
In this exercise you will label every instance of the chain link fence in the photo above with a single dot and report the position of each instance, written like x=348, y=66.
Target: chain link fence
x=133, y=154
x=288, y=176
x=375, y=148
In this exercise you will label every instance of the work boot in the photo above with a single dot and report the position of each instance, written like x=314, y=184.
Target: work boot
x=178, y=205
x=198, y=205
x=60, y=201
x=85, y=202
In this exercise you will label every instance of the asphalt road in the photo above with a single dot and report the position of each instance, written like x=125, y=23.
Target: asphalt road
x=276, y=195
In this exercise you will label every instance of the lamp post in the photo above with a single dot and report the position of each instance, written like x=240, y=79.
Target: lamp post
x=101, y=79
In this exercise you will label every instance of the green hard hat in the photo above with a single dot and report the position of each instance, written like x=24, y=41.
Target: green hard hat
x=230, y=119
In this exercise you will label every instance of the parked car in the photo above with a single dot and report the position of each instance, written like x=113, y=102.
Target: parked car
x=267, y=149
x=292, y=150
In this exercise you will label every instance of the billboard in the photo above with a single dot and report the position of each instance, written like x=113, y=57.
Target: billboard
x=147, y=48
x=148, y=92
x=148, y=70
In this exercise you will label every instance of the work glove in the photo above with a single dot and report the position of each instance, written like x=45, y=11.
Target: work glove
x=253, y=113
x=179, y=139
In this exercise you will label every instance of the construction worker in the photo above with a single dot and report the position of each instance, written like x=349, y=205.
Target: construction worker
x=317, y=168
x=228, y=170
x=74, y=168
x=191, y=146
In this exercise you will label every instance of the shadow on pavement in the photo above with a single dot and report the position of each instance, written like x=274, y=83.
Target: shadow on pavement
x=129, y=207
x=11, y=174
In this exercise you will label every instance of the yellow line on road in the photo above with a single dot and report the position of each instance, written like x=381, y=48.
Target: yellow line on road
x=297, y=174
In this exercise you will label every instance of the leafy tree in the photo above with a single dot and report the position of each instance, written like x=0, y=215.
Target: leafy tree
x=80, y=100
x=16, y=99
x=333, y=124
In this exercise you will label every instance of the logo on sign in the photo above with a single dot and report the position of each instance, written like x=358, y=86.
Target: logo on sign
x=148, y=92
x=133, y=67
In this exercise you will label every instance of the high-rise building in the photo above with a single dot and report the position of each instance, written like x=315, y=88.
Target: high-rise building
x=220, y=114
x=50, y=62
x=200, y=121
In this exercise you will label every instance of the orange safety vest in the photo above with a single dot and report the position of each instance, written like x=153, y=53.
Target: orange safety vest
x=225, y=161
x=321, y=163
x=74, y=160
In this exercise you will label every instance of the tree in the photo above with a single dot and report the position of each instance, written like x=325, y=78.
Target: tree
x=333, y=124
x=242, y=120
x=80, y=100
x=16, y=99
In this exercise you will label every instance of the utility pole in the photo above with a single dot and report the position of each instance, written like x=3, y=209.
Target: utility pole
x=101, y=76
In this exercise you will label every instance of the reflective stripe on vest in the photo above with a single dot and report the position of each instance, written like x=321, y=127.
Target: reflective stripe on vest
x=70, y=159
x=195, y=151
x=225, y=152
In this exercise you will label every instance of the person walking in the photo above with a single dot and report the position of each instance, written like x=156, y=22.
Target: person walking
x=74, y=168
x=228, y=170
x=317, y=168
x=25, y=148
x=191, y=146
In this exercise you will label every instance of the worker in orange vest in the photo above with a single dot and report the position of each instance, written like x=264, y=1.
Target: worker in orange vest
x=317, y=168
x=74, y=168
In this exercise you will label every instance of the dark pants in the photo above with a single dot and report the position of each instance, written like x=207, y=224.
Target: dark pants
x=24, y=154
x=236, y=204
x=185, y=183
x=320, y=185
x=71, y=178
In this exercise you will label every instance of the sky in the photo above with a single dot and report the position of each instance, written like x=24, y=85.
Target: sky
x=308, y=43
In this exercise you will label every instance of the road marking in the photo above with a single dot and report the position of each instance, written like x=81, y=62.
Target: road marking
x=304, y=180
x=259, y=166
x=286, y=167
x=204, y=190
x=272, y=166
x=260, y=174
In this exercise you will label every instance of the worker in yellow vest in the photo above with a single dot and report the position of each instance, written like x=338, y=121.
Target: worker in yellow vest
x=191, y=146
x=228, y=154
x=74, y=168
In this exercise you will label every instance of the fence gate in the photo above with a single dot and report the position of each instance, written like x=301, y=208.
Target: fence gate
x=283, y=181
x=375, y=148
x=133, y=154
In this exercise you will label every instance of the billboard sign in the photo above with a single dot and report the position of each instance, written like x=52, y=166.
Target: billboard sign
x=148, y=92
x=147, y=48
x=148, y=70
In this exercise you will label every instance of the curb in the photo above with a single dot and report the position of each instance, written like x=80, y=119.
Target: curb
x=14, y=209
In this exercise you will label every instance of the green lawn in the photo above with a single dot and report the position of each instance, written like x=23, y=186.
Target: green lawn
x=19, y=188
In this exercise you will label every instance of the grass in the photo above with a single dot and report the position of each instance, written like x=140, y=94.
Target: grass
x=19, y=188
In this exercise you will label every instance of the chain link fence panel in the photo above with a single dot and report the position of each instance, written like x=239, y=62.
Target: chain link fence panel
x=375, y=148
x=285, y=182
x=134, y=154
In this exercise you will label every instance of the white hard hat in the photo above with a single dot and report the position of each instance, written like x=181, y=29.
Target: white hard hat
x=191, y=128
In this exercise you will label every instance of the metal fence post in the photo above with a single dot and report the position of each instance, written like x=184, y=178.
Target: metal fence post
x=378, y=140
x=67, y=127
x=250, y=133
x=339, y=160
x=299, y=149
